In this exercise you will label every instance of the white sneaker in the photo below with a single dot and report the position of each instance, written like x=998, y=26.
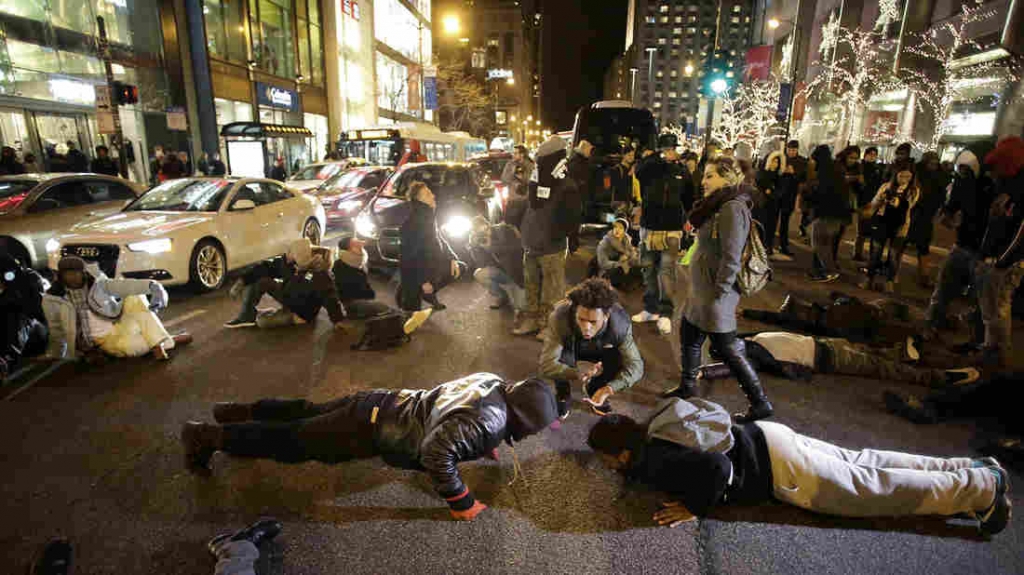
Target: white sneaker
x=664, y=325
x=645, y=316
x=416, y=320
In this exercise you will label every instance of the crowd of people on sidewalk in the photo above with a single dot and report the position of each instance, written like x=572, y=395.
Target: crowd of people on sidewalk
x=717, y=218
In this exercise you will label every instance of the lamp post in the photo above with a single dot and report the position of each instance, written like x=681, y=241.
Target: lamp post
x=632, y=85
x=650, y=71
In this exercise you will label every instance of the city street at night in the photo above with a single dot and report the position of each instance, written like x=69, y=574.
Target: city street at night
x=95, y=456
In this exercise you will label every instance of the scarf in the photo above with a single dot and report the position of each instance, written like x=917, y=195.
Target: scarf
x=353, y=260
x=709, y=205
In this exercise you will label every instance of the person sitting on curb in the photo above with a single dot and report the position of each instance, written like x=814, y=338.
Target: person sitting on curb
x=300, y=281
x=114, y=316
x=236, y=553
x=21, y=303
x=429, y=430
x=590, y=326
x=497, y=251
x=617, y=258
x=796, y=356
x=753, y=463
x=352, y=283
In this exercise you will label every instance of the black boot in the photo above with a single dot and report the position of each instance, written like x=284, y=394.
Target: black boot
x=431, y=298
x=201, y=441
x=690, y=359
x=227, y=412
x=736, y=358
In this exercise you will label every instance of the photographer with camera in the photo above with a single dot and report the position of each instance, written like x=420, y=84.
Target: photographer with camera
x=516, y=176
x=890, y=219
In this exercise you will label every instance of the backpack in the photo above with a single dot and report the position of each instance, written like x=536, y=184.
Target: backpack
x=755, y=269
x=383, y=332
x=694, y=423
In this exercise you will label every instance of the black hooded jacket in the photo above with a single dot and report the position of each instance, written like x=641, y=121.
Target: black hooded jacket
x=666, y=190
x=425, y=255
x=462, y=420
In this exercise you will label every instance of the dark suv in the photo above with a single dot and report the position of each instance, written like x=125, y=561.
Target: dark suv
x=463, y=191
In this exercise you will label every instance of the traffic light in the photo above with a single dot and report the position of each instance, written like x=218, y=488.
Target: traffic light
x=717, y=80
x=125, y=93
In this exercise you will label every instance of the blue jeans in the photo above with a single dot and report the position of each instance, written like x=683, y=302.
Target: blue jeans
x=501, y=285
x=659, y=268
x=957, y=273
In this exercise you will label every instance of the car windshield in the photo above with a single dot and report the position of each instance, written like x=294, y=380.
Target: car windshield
x=13, y=192
x=341, y=181
x=183, y=196
x=493, y=166
x=320, y=172
x=441, y=180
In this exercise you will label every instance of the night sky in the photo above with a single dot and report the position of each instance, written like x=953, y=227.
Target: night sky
x=580, y=42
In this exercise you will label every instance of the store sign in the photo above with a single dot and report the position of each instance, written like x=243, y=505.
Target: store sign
x=105, y=122
x=499, y=74
x=72, y=91
x=275, y=97
x=971, y=124
x=176, y=119
x=759, y=63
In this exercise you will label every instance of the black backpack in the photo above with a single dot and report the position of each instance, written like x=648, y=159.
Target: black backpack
x=383, y=332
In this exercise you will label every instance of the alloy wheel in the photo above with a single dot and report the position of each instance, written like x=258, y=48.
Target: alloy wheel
x=210, y=265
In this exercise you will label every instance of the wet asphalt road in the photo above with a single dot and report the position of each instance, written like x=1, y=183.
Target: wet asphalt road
x=94, y=456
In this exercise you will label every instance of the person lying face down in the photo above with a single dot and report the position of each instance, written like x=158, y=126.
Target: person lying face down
x=767, y=460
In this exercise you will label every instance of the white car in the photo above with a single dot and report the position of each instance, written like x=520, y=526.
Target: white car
x=312, y=176
x=195, y=230
x=35, y=208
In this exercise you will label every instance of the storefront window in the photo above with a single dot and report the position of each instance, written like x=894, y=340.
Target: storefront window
x=402, y=30
x=318, y=125
x=273, y=48
x=317, y=53
x=225, y=29
x=31, y=9
x=393, y=84
x=73, y=15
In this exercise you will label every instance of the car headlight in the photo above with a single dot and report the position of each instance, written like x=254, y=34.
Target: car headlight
x=151, y=246
x=365, y=226
x=52, y=246
x=350, y=206
x=458, y=226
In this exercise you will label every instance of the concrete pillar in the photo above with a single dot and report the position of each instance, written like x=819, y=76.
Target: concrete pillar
x=202, y=114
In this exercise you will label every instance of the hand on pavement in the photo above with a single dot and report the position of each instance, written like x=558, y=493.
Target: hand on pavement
x=673, y=514
x=469, y=514
x=601, y=396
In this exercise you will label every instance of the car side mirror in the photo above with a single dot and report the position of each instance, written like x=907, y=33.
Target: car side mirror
x=667, y=141
x=243, y=205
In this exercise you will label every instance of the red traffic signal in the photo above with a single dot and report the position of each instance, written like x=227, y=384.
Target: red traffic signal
x=125, y=93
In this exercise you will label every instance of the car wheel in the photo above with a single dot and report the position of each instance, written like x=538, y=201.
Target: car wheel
x=311, y=231
x=208, y=268
x=13, y=248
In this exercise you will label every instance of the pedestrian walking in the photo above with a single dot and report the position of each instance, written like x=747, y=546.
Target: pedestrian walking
x=431, y=430
x=763, y=461
x=767, y=214
x=849, y=166
x=828, y=197
x=544, y=236
x=278, y=172
x=590, y=326
x=722, y=220
x=428, y=263
x=889, y=214
x=9, y=164
x=217, y=167
x=103, y=163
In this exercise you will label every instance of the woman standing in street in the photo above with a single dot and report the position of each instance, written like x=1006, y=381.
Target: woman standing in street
x=890, y=218
x=768, y=183
x=722, y=220
x=932, y=182
x=428, y=263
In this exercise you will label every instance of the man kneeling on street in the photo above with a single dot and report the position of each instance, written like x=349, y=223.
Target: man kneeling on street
x=590, y=326
x=690, y=450
x=300, y=280
x=113, y=316
x=497, y=251
x=430, y=430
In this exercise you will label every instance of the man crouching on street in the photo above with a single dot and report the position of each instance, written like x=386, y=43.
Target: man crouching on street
x=752, y=463
x=590, y=326
x=430, y=430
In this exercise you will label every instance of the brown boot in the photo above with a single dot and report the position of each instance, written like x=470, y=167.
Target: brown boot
x=201, y=441
x=227, y=412
x=527, y=326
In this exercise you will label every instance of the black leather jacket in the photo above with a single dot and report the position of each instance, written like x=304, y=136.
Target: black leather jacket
x=462, y=420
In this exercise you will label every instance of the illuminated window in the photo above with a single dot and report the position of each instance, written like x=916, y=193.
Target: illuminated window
x=663, y=19
x=650, y=19
x=657, y=104
x=674, y=73
x=735, y=20
x=677, y=31
x=663, y=8
x=662, y=41
x=660, y=74
x=672, y=94
x=657, y=94
x=679, y=19
x=736, y=8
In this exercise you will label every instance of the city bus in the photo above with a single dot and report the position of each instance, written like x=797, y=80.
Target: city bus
x=385, y=145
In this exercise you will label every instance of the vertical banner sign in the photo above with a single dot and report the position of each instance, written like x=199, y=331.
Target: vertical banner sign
x=759, y=64
x=413, y=88
x=785, y=95
x=430, y=88
x=800, y=103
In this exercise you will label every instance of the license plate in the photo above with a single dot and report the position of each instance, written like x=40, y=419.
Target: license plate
x=87, y=252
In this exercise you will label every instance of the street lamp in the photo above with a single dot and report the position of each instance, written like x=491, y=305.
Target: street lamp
x=451, y=25
x=511, y=81
x=688, y=70
x=719, y=85
x=774, y=23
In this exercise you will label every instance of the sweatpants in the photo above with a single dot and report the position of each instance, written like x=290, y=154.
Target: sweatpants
x=236, y=558
x=821, y=477
x=295, y=430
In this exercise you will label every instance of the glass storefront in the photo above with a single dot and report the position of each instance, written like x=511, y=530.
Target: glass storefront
x=318, y=144
x=294, y=151
x=229, y=111
x=225, y=29
x=273, y=41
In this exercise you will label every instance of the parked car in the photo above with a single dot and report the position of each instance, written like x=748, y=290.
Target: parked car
x=463, y=191
x=312, y=175
x=195, y=230
x=36, y=207
x=493, y=163
x=346, y=193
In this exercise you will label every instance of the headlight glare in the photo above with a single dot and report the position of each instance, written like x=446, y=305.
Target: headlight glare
x=458, y=226
x=157, y=246
x=350, y=206
x=52, y=246
x=365, y=226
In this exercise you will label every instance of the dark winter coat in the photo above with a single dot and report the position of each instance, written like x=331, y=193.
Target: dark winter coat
x=922, y=215
x=304, y=291
x=350, y=279
x=217, y=168
x=829, y=194
x=77, y=162
x=543, y=228
x=504, y=253
x=434, y=430
x=426, y=256
x=278, y=173
x=872, y=181
x=789, y=184
x=700, y=480
x=104, y=166
x=564, y=345
x=665, y=191
x=25, y=331
x=971, y=198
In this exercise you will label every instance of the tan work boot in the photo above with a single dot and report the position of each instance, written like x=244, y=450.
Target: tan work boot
x=527, y=326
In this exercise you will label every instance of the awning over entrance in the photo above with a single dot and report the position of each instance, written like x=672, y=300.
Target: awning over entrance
x=258, y=130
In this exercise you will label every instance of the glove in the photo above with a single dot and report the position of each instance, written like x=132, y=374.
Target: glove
x=469, y=514
x=157, y=296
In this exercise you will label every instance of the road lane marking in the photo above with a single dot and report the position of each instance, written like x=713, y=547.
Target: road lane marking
x=186, y=317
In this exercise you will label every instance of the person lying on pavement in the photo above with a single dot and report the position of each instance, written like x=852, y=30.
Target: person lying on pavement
x=115, y=317
x=590, y=326
x=753, y=463
x=300, y=280
x=429, y=430
x=21, y=305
